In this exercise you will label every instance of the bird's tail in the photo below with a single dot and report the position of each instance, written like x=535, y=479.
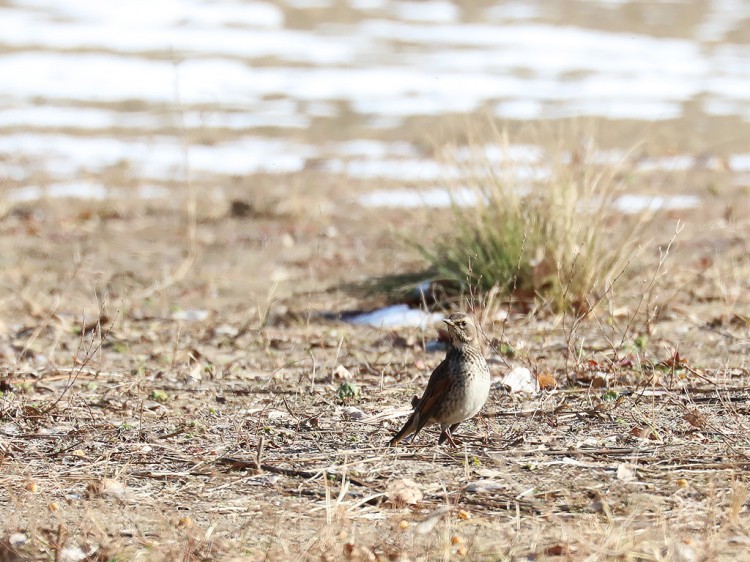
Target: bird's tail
x=408, y=428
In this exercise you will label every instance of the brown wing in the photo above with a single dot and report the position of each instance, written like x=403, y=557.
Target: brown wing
x=434, y=395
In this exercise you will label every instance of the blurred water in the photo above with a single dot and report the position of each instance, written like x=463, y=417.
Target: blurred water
x=89, y=85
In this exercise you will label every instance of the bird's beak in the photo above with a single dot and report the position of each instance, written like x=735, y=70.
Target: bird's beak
x=449, y=322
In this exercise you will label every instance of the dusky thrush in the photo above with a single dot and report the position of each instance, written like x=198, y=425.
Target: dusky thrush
x=458, y=387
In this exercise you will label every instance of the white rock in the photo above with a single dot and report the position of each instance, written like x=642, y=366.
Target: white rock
x=17, y=539
x=353, y=414
x=72, y=554
x=626, y=472
x=341, y=372
x=404, y=492
x=190, y=315
x=264, y=480
x=107, y=487
x=521, y=379
x=683, y=552
x=485, y=486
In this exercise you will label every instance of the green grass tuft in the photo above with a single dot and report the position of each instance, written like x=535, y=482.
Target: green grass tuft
x=554, y=240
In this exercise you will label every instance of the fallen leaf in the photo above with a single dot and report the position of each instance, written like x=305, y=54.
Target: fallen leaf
x=674, y=362
x=695, y=418
x=644, y=433
x=546, y=381
x=598, y=382
x=556, y=550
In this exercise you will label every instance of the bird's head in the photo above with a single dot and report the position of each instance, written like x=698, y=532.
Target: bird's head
x=461, y=329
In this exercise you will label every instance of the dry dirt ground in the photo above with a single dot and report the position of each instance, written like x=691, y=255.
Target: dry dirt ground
x=173, y=389
x=175, y=384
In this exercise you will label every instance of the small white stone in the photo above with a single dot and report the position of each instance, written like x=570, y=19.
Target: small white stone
x=287, y=240
x=264, y=480
x=190, y=315
x=626, y=472
x=341, y=372
x=72, y=554
x=521, y=379
x=404, y=492
x=353, y=414
x=683, y=552
x=485, y=486
x=17, y=539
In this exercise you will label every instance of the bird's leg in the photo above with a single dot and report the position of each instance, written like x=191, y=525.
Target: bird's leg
x=449, y=437
x=448, y=433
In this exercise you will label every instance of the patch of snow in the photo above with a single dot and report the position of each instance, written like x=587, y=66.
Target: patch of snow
x=634, y=203
x=396, y=316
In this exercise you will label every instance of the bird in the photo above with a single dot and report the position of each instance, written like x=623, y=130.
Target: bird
x=458, y=387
